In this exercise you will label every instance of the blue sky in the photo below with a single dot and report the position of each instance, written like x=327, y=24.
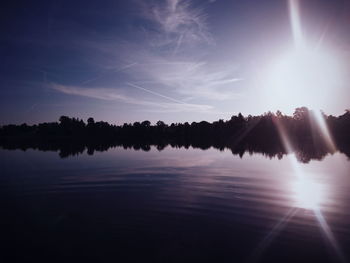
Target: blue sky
x=171, y=60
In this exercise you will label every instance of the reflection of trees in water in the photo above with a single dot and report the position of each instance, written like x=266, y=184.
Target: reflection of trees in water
x=304, y=152
x=252, y=134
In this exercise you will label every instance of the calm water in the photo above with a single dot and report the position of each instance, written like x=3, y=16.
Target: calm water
x=176, y=205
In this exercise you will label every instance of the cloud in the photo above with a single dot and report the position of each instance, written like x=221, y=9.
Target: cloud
x=188, y=77
x=110, y=94
x=175, y=71
x=198, y=80
x=178, y=23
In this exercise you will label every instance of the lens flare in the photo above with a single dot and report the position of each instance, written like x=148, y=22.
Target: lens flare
x=322, y=126
x=295, y=22
x=303, y=76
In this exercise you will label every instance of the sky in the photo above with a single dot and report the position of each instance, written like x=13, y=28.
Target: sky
x=171, y=60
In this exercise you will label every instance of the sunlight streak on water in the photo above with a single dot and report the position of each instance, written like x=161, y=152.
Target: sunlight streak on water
x=278, y=227
x=329, y=235
x=308, y=194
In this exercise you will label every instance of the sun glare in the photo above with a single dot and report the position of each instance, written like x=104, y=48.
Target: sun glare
x=308, y=194
x=304, y=75
x=301, y=77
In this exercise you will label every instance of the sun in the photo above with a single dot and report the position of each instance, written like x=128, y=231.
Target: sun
x=300, y=77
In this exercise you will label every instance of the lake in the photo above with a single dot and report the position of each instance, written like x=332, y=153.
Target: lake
x=174, y=205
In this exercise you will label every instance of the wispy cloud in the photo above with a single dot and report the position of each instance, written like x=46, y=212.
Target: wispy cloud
x=155, y=93
x=112, y=70
x=178, y=23
x=189, y=77
x=172, y=70
x=110, y=94
x=195, y=79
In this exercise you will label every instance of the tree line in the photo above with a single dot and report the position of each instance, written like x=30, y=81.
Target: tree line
x=264, y=133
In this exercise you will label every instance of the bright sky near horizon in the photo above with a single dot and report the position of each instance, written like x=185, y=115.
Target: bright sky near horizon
x=171, y=60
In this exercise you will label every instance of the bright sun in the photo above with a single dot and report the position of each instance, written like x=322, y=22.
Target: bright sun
x=301, y=77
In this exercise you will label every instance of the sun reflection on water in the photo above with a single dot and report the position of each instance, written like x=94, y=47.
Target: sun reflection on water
x=308, y=194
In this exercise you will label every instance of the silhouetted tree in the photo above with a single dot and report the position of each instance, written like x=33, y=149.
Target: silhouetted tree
x=240, y=134
x=146, y=123
x=90, y=121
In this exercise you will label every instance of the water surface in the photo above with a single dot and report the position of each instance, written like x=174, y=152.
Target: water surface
x=176, y=205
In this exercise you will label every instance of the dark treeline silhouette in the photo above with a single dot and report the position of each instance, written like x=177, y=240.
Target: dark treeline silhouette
x=272, y=134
